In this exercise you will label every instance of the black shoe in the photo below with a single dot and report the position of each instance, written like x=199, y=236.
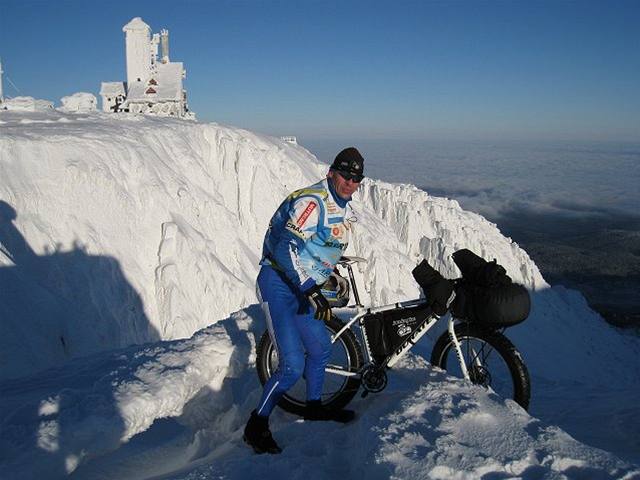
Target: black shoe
x=258, y=436
x=315, y=411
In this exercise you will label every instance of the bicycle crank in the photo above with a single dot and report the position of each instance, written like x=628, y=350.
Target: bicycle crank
x=374, y=379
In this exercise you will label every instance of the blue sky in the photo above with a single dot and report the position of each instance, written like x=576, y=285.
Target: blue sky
x=322, y=69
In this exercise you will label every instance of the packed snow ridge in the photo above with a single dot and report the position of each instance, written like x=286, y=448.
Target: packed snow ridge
x=117, y=231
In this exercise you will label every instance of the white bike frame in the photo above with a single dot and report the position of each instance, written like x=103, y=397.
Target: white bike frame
x=361, y=312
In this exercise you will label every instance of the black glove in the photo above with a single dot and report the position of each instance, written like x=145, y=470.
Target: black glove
x=318, y=303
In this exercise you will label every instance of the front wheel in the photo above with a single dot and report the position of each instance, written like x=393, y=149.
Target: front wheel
x=491, y=360
x=341, y=379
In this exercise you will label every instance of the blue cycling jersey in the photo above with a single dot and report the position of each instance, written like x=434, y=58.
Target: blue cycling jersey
x=308, y=234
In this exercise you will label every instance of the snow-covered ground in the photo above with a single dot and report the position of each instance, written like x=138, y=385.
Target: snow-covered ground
x=129, y=249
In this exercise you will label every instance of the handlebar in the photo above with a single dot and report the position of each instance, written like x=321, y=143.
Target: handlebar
x=345, y=261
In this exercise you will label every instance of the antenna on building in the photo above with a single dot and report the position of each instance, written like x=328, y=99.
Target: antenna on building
x=1, y=72
x=2, y=98
x=164, y=44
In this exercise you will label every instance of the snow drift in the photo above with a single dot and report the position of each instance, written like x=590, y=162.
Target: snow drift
x=123, y=230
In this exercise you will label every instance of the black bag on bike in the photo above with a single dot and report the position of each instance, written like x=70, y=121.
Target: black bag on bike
x=486, y=294
x=436, y=288
x=387, y=331
x=478, y=271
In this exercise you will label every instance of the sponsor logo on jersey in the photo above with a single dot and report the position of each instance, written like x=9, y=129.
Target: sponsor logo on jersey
x=307, y=211
x=297, y=265
x=336, y=232
x=292, y=227
x=333, y=244
x=324, y=271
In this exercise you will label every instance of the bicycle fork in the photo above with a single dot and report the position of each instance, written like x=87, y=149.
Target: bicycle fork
x=456, y=344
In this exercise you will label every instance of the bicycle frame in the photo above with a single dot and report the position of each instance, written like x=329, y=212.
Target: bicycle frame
x=361, y=312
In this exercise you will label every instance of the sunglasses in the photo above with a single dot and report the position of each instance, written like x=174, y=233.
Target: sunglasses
x=354, y=177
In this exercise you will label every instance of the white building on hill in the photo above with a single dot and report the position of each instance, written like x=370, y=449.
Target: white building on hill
x=113, y=95
x=153, y=86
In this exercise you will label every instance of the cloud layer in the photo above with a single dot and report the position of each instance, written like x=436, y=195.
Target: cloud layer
x=591, y=182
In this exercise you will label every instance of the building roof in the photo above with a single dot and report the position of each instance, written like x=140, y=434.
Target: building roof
x=112, y=88
x=136, y=24
x=169, y=84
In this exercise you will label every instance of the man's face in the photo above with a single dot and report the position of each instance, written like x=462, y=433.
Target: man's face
x=344, y=188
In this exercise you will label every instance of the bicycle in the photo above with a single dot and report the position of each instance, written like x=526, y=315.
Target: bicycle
x=470, y=350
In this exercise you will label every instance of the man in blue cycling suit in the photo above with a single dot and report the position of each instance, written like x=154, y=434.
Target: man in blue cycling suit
x=306, y=238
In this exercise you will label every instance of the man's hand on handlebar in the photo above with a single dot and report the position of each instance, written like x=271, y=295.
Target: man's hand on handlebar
x=319, y=303
x=342, y=283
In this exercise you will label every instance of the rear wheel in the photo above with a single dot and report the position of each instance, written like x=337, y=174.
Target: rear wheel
x=491, y=360
x=338, y=388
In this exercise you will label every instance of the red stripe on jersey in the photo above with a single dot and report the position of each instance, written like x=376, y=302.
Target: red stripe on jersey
x=305, y=214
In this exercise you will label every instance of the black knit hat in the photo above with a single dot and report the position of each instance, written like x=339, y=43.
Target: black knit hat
x=349, y=160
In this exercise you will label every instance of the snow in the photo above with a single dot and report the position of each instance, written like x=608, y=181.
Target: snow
x=129, y=255
x=26, y=104
x=80, y=102
x=127, y=391
x=136, y=23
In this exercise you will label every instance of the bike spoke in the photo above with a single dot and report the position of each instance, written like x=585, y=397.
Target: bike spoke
x=483, y=354
x=477, y=352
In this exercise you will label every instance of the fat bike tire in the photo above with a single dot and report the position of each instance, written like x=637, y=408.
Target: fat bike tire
x=338, y=390
x=491, y=359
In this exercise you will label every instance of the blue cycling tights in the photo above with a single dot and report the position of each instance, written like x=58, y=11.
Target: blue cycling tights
x=293, y=334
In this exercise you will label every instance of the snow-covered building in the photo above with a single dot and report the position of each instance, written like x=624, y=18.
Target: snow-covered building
x=26, y=104
x=153, y=86
x=80, y=102
x=113, y=95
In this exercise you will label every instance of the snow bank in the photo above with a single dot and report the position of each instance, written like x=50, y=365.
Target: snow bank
x=425, y=425
x=80, y=102
x=95, y=404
